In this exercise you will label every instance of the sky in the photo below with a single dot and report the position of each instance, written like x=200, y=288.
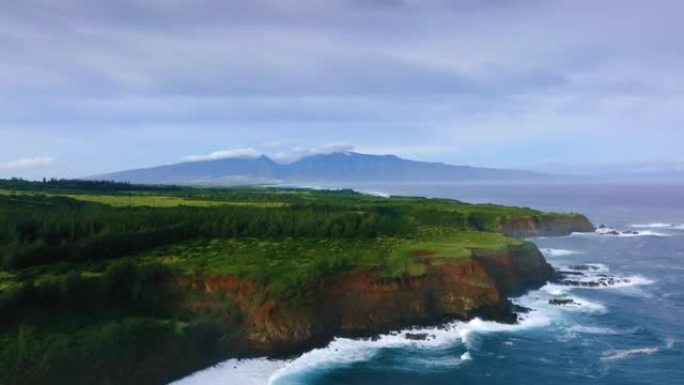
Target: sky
x=92, y=86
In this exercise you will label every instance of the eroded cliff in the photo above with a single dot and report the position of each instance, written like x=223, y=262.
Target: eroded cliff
x=545, y=225
x=364, y=302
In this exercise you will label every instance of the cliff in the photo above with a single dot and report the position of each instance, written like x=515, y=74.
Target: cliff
x=545, y=225
x=364, y=303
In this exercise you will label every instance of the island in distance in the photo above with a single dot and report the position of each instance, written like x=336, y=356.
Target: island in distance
x=157, y=282
x=333, y=167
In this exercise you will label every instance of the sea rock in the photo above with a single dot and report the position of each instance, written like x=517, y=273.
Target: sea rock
x=562, y=302
x=417, y=336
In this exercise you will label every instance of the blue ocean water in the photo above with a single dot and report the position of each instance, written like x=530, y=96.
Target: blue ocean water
x=621, y=320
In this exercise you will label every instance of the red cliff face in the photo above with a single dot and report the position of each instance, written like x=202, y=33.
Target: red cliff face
x=364, y=302
x=546, y=225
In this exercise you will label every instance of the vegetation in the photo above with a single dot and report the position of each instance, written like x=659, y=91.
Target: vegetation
x=85, y=266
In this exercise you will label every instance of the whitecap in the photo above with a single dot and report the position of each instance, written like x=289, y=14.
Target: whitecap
x=610, y=232
x=559, y=252
x=541, y=302
x=584, y=268
x=593, y=330
x=344, y=351
x=657, y=225
x=612, y=355
x=602, y=281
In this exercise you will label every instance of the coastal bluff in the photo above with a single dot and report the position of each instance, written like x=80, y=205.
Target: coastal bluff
x=112, y=283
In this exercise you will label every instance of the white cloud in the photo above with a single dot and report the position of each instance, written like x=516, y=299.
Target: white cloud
x=27, y=163
x=298, y=152
x=248, y=152
x=417, y=151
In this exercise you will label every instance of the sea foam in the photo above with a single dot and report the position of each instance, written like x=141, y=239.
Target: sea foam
x=244, y=372
x=657, y=225
x=559, y=252
x=620, y=354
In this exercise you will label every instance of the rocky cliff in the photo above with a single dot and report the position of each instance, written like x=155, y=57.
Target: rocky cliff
x=545, y=225
x=363, y=303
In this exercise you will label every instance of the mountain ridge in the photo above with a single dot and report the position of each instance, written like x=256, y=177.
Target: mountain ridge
x=330, y=167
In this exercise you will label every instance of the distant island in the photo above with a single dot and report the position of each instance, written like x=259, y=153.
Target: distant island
x=334, y=167
x=114, y=283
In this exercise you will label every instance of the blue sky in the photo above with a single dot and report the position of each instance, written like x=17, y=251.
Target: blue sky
x=90, y=86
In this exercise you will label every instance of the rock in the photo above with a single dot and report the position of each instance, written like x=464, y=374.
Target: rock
x=602, y=227
x=584, y=268
x=562, y=302
x=521, y=309
x=601, y=281
x=417, y=336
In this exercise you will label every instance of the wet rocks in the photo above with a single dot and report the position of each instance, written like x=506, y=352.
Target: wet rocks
x=563, y=302
x=416, y=336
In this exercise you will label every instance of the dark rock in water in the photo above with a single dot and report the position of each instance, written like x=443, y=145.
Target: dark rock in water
x=602, y=281
x=612, y=232
x=417, y=336
x=584, y=267
x=521, y=309
x=562, y=302
x=602, y=226
x=575, y=273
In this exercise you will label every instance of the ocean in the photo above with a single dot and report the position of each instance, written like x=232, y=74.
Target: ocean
x=616, y=318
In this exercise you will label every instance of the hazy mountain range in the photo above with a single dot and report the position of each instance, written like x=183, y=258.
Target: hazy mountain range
x=333, y=167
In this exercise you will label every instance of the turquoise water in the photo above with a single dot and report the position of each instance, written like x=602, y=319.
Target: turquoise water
x=621, y=320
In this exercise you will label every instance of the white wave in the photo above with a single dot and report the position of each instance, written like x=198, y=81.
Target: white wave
x=644, y=233
x=541, y=302
x=657, y=225
x=585, y=268
x=613, y=355
x=559, y=252
x=255, y=371
x=343, y=351
x=610, y=232
x=606, y=282
x=593, y=330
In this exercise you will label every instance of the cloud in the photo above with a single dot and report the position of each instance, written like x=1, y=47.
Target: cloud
x=248, y=152
x=409, y=151
x=299, y=152
x=27, y=163
x=495, y=82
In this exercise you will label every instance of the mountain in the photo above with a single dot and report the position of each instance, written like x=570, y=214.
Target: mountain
x=334, y=167
x=218, y=171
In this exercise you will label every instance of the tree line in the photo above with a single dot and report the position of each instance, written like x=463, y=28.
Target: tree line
x=40, y=229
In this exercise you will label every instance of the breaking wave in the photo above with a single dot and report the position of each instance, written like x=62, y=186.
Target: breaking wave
x=244, y=372
x=611, y=232
x=620, y=354
x=559, y=252
x=657, y=225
